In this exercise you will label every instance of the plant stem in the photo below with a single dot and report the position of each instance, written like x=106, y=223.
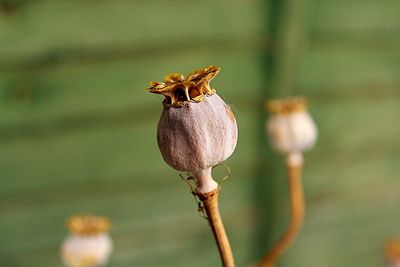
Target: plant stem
x=210, y=203
x=296, y=219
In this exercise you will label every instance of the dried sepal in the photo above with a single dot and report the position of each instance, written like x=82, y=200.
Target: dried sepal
x=178, y=90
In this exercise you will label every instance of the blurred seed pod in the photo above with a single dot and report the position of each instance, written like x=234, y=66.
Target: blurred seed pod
x=392, y=253
x=88, y=244
x=290, y=128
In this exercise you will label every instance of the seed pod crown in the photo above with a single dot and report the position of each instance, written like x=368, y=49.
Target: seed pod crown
x=177, y=89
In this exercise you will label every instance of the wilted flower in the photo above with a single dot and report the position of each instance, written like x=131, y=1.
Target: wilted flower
x=290, y=127
x=197, y=130
x=88, y=244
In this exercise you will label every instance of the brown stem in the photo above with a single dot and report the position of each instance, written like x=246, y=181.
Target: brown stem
x=296, y=220
x=210, y=202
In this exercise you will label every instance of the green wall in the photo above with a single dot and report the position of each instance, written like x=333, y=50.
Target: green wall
x=77, y=129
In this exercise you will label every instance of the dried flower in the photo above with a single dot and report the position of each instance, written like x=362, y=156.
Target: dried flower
x=88, y=244
x=197, y=130
x=291, y=128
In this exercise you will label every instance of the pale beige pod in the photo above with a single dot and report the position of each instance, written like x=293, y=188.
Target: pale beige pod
x=290, y=128
x=88, y=244
x=197, y=129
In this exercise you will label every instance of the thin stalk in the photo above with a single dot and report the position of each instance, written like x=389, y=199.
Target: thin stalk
x=296, y=219
x=210, y=204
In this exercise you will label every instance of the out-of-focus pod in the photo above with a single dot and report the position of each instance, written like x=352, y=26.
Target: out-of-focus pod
x=290, y=128
x=392, y=253
x=88, y=244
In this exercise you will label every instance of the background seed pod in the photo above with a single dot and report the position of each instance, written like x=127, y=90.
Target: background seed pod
x=86, y=251
x=293, y=132
x=197, y=135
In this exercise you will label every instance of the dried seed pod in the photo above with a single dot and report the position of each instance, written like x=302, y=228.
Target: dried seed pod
x=88, y=244
x=291, y=128
x=197, y=129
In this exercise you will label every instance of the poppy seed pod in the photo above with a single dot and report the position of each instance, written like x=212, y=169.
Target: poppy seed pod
x=88, y=244
x=291, y=128
x=197, y=130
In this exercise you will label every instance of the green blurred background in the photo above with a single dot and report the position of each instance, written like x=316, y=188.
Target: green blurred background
x=77, y=129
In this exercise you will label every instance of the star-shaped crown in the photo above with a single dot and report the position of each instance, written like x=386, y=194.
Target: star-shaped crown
x=177, y=89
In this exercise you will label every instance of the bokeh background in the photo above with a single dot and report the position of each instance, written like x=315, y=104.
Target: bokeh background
x=77, y=129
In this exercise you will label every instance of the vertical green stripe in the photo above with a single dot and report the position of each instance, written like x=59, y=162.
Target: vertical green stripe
x=279, y=68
